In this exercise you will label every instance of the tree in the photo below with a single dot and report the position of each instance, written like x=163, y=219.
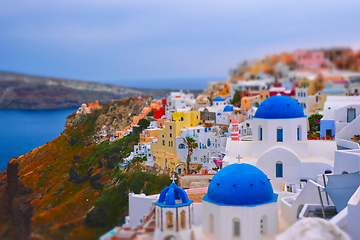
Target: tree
x=190, y=144
x=314, y=123
x=237, y=98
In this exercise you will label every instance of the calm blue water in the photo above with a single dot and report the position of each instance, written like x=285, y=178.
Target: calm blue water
x=24, y=130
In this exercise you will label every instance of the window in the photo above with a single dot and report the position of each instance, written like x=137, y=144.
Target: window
x=170, y=135
x=211, y=223
x=279, y=134
x=195, y=159
x=181, y=146
x=183, y=219
x=279, y=169
x=197, y=116
x=169, y=220
x=236, y=226
x=172, y=144
x=169, y=144
x=182, y=119
x=298, y=133
x=208, y=142
x=170, y=127
x=350, y=114
x=163, y=142
x=260, y=133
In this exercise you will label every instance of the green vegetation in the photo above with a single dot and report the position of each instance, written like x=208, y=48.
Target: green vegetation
x=114, y=201
x=151, y=113
x=237, y=98
x=190, y=144
x=114, y=153
x=314, y=124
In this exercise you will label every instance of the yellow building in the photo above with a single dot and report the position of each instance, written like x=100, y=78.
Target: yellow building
x=254, y=101
x=148, y=136
x=223, y=92
x=311, y=85
x=164, y=151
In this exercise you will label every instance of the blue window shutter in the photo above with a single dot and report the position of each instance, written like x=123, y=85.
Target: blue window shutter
x=279, y=170
x=279, y=135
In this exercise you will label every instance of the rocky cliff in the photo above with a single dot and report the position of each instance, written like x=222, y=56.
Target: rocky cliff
x=19, y=91
x=71, y=187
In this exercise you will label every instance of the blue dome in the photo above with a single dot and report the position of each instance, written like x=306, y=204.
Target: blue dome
x=278, y=107
x=218, y=99
x=240, y=185
x=228, y=108
x=173, y=196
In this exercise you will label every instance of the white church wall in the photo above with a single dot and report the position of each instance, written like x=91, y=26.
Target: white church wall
x=347, y=161
x=290, y=162
x=162, y=231
x=197, y=213
x=249, y=217
x=269, y=135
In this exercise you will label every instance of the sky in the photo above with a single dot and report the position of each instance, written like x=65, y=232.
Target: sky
x=164, y=43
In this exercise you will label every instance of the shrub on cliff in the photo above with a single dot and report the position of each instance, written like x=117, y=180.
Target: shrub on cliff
x=112, y=206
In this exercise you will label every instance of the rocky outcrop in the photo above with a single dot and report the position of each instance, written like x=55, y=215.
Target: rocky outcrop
x=18, y=204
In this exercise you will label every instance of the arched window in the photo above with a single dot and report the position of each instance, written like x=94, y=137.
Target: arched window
x=211, y=223
x=279, y=134
x=183, y=219
x=298, y=133
x=236, y=227
x=263, y=225
x=260, y=133
x=182, y=119
x=181, y=146
x=208, y=142
x=169, y=220
x=279, y=169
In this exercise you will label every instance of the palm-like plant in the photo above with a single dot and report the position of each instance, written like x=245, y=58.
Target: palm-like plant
x=190, y=144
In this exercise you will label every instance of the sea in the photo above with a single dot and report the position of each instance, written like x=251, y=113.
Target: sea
x=23, y=130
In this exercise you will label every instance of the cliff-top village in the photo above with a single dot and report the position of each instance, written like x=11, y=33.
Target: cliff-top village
x=269, y=153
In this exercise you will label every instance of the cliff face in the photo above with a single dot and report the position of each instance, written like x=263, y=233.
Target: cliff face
x=72, y=188
x=18, y=91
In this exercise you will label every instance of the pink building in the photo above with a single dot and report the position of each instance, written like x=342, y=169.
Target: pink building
x=311, y=61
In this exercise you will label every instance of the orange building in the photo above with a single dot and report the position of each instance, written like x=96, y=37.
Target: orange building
x=94, y=105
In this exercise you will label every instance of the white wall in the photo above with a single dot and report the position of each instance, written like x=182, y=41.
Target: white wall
x=269, y=135
x=347, y=160
x=354, y=215
x=139, y=206
x=249, y=220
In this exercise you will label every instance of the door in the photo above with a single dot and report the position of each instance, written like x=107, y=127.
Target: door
x=350, y=114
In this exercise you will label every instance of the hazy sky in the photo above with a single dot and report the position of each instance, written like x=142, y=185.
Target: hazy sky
x=164, y=43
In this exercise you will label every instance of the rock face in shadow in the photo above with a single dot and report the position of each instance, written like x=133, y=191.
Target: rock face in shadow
x=75, y=177
x=18, y=204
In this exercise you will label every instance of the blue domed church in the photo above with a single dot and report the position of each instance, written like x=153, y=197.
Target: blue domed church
x=174, y=214
x=240, y=204
x=279, y=145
